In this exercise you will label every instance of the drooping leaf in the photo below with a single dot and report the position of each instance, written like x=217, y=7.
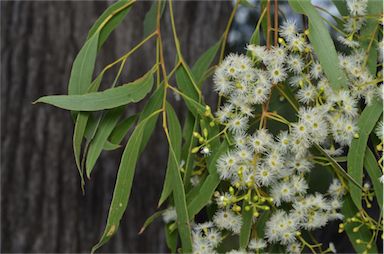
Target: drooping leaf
x=109, y=20
x=151, y=219
x=107, y=99
x=322, y=43
x=202, y=64
x=190, y=126
x=78, y=134
x=255, y=38
x=106, y=126
x=364, y=234
x=121, y=130
x=374, y=172
x=187, y=87
x=171, y=165
x=83, y=66
x=150, y=20
x=171, y=238
x=355, y=159
x=124, y=181
x=246, y=227
x=341, y=7
x=177, y=182
x=368, y=37
x=209, y=185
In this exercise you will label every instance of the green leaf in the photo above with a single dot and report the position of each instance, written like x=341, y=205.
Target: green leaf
x=355, y=158
x=322, y=44
x=246, y=227
x=255, y=38
x=150, y=20
x=124, y=181
x=171, y=165
x=151, y=219
x=177, y=182
x=186, y=86
x=107, y=99
x=78, y=134
x=202, y=64
x=349, y=210
x=154, y=103
x=209, y=185
x=190, y=125
x=341, y=7
x=108, y=146
x=83, y=66
x=97, y=144
x=121, y=129
x=374, y=172
x=368, y=37
x=171, y=238
x=109, y=20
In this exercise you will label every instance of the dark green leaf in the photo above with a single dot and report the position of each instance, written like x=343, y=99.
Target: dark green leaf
x=355, y=159
x=341, y=6
x=83, y=66
x=151, y=219
x=171, y=238
x=209, y=185
x=177, y=182
x=109, y=20
x=349, y=210
x=322, y=43
x=123, y=182
x=107, y=99
x=106, y=126
x=121, y=130
x=202, y=64
x=150, y=20
x=246, y=227
x=374, y=172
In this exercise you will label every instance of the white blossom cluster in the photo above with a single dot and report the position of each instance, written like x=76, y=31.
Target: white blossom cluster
x=269, y=172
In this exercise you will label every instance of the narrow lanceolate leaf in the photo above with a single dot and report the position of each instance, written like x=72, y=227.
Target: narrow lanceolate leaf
x=322, y=43
x=150, y=20
x=121, y=130
x=364, y=234
x=255, y=38
x=107, y=99
x=369, y=33
x=202, y=64
x=187, y=87
x=78, y=134
x=178, y=187
x=171, y=238
x=246, y=227
x=123, y=182
x=83, y=66
x=190, y=126
x=355, y=159
x=151, y=219
x=209, y=185
x=341, y=7
x=374, y=172
x=171, y=165
x=109, y=20
x=107, y=123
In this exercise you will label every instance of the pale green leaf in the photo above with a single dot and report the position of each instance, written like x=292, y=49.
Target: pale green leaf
x=374, y=172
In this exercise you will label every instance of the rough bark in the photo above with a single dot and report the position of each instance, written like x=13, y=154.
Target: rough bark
x=42, y=208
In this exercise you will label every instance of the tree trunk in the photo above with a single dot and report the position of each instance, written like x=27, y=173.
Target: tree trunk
x=42, y=207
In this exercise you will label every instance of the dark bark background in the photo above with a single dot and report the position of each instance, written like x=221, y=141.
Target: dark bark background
x=42, y=208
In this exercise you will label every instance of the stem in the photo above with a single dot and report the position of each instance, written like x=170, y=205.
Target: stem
x=276, y=21
x=268, y=24
x=225, y=35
